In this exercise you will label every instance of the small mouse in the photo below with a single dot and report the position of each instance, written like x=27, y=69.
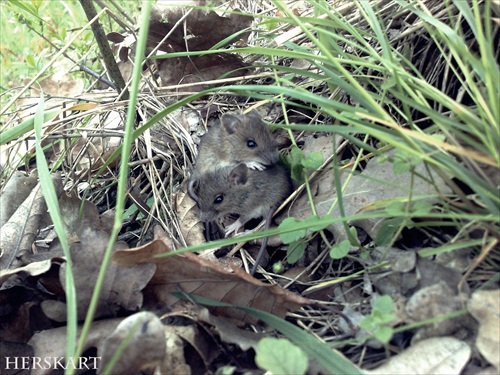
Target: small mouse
x=242, y=191
x=235, y=139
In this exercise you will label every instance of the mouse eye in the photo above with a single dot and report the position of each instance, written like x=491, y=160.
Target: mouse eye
x=218, y=199
x=251, y=143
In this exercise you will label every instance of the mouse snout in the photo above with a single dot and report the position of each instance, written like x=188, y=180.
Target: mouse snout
x=207, y=216
x=272, y=156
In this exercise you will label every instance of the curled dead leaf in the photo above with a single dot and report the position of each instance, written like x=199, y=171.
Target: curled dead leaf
x=187, y=213
x=142, y=330
x=439, y=355
x=191, y=274
x=484, y=305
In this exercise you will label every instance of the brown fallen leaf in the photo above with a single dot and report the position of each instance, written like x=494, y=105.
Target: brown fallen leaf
x=15, y=191
x=188, y=216
x=62, y=84
x=198, y=69
x=202, y=30
x=197, y=34
x=188, y=338
x=228, y=332
x=19, y=232
x=122, y=285
x=376, y=183
x=484, y=305
x=439, y=355
x=190, y=274
x=142, y=330
x=32, y=269
x=51, y=344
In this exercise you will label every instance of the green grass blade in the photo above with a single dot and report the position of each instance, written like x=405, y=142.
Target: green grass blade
x=331, y=360
x=24, y=127
x=55, y=214
x=123, y=172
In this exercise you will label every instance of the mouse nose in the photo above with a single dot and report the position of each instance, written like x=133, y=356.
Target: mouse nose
x=274, y=156
x=206, y=216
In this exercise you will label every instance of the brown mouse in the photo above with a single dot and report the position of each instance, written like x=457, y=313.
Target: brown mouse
x=242, y=191
x=235, y=139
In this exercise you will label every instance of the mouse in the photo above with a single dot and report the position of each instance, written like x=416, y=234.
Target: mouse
x=235, y=139
x=243, y=191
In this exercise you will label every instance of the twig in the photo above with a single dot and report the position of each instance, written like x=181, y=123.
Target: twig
x=102, y=42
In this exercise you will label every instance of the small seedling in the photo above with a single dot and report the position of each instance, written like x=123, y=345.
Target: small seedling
x=377, y=322
x=280, y=356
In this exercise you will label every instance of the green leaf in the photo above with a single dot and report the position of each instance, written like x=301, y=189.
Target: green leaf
x=27, y=7
x=383, y=304
x=294, y=159
x=368, y=323
x=388, y=84
x=400, y=166
x=295, y=251
x=354, y=235
x=421, y=208
x=297, y=172
x=387, y=231
x=278, y=267
x=383, y=334
x=404, y=162
x=31, y=61
x=314, y=222
x=51, y=199
x=340, y=250
x=313, y=161
x=225, y=370
x=287, y=224
x=24, y=127
x=296, y=155
x=280, y=356
x=395, y=208
x=364, y=254
x=330, y=359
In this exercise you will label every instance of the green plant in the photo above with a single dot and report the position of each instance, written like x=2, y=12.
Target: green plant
x=377, y=322
x=280, y=356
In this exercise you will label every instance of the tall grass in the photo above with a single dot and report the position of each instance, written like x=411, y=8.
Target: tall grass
x=451, y=123
x=393, y=97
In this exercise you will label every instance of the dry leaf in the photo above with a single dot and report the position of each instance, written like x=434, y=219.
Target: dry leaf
x=15, y=191
x=121, y=288
x=440, y=355
x=143, y=331
x=51, y=343
x=229, y=332
x=19, y=232
x=190, y=274
x=187, y=214
x=376, y=183
x=198, y=33
x=188, y=338
x=484, y=305
x=198, y=69
x=175, y=362
x=32, y=269
x=62, y=84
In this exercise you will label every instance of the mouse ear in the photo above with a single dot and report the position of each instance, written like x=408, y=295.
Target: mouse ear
x=230, y=123
x=193, y=187
x=238, y=175
x=254, y=114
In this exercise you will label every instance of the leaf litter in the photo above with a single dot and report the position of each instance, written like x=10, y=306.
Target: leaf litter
x=33, y=268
